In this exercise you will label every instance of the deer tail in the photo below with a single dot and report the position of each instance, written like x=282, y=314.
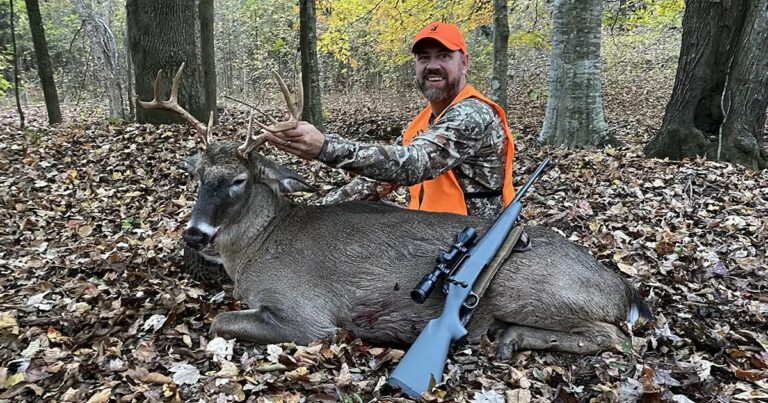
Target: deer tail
x=637, y=306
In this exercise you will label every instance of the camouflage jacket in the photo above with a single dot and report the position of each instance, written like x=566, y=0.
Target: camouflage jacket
x=469, y=139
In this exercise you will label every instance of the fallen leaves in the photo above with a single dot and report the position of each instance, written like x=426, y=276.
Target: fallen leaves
x=96, y=306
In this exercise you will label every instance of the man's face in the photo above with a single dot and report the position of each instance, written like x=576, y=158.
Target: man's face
x=440, y=73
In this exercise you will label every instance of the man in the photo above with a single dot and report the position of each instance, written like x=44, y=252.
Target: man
x=456, y=155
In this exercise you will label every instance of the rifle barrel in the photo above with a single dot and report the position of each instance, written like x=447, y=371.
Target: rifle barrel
x=532, y=178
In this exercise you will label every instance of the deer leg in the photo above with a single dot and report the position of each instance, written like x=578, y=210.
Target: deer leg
x=262, y=326
x=587, y=339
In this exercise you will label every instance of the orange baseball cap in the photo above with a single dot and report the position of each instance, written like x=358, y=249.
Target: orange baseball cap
x=447, y=34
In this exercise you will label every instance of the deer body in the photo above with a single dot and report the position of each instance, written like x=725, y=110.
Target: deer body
x=306, y=271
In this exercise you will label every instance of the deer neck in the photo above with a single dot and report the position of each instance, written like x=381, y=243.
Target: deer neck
x=243, y=233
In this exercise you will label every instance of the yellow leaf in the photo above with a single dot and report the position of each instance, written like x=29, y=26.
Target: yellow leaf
x=7, y=320
x=628, y=269
x=101, y=396
x=84, y=231
x=14, y=379
x=594, y=226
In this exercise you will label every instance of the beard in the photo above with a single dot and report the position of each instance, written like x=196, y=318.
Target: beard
x=439, y=94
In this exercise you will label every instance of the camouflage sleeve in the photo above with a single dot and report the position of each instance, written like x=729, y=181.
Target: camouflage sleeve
x=360, y=188
x=446, y=144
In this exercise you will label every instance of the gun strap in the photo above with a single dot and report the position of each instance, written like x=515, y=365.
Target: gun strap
x=507, y=247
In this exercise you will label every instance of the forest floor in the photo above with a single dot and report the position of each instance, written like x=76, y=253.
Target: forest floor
x=95, y=304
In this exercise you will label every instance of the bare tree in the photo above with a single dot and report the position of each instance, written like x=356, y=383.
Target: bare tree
x=44, y=69
x=104, y=51
x=500, y=54
x=208, y=54
x=16, y=67
x=718, y=104
x=574, y=115
x=310, y=68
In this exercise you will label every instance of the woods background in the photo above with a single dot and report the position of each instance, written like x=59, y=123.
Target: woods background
x=653, y=112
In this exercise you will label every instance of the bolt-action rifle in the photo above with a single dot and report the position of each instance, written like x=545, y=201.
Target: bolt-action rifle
x=459, y=268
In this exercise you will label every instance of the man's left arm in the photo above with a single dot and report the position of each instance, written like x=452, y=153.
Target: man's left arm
x=457, y=135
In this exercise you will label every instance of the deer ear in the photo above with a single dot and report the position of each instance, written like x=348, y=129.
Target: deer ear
x=288, y=180
x=295, y=185
x=189, y=165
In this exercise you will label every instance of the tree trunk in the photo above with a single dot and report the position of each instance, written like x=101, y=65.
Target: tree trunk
x=129, y=74
x=310, y=68
x=44, y=69
x=208, y=55
x=163, y=35
x=104, y=51
x=500, y=57
x=16, y=67
x=718, y=103
x=574, y=115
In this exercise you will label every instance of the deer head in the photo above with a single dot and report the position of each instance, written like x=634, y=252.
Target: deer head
x=231, y=175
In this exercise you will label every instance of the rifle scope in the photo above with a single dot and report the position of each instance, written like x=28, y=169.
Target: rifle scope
x=446, y=262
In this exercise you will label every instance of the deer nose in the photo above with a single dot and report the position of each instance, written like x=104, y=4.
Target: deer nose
x=195, y=238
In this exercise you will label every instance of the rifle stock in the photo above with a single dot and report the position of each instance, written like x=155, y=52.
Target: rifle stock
x=427, y=355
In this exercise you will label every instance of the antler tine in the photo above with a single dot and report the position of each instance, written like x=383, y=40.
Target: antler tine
x=251, y=141
x=172, y=104
x=209, y=129
x=287, y=95
x=175, y=83
x=294, y=108
x=156, y=88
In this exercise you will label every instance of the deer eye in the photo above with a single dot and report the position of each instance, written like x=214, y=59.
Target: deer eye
x=239, y=181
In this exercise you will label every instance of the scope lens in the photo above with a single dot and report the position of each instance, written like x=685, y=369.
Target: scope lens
x=421, y=292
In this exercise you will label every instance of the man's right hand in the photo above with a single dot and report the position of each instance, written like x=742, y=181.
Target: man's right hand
x=305, y=141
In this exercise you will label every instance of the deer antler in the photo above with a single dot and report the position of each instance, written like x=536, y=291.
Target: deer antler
x=172, y=104
x=294, y=109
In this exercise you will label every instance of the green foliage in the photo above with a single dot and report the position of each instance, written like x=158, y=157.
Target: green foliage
x=5, y=65
x=4, y=85
x=353, y=398
x=529, y=38
x=253, y=37
x=115, y=121
x=32, y=135
x=632, y=14
x=355, y=28
x=129, y=223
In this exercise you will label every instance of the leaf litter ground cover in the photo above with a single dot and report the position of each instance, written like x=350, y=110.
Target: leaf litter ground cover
x=95, y=305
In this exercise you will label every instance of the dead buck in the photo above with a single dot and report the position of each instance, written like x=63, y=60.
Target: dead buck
x=306, y=271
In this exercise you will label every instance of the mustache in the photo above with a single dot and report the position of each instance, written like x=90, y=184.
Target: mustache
x=438, y=73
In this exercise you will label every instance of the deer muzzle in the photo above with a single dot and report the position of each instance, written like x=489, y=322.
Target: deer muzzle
x=199, y=236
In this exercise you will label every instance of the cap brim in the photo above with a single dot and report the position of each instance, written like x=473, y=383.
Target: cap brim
x=451, y=47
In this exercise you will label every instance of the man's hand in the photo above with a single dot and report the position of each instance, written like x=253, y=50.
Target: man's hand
x=304, y=141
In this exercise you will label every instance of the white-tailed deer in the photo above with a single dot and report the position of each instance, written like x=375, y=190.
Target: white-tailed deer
x=306, y=271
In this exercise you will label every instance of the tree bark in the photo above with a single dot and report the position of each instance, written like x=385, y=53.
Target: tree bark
x=129, y=73
x=574, y=115
x=16, y=67
x=718, y=103
x=310, y=68
x=44, y=69
x=162, y=35
x=744, y=125
x=208, y=55
x=500, y=57
x=104, y=51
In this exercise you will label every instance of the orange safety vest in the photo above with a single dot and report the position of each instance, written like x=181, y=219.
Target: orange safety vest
x=444, y=194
